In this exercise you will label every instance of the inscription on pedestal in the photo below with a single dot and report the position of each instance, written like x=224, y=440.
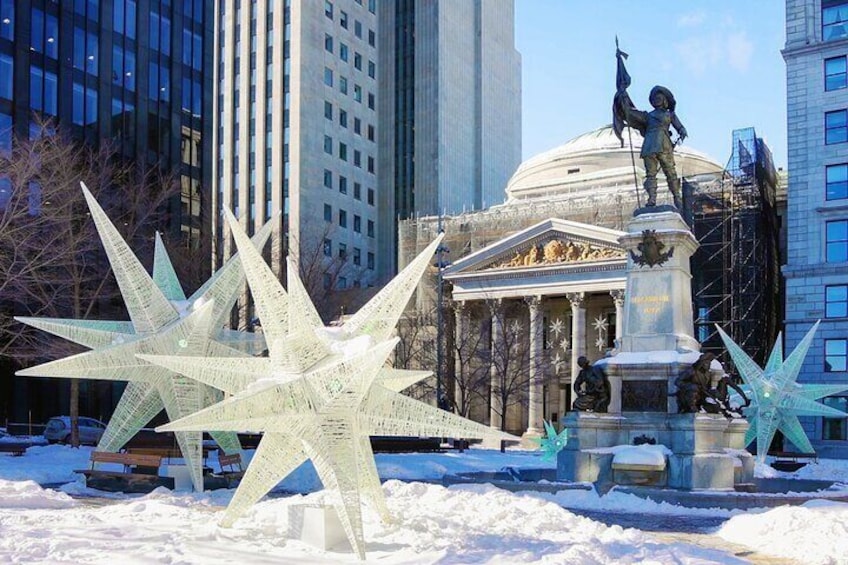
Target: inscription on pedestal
x=644, y=396
x=651, y=305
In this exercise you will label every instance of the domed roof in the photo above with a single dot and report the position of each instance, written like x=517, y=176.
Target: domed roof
x=596, y=161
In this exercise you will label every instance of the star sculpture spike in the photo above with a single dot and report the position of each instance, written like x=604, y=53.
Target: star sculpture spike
x=552, y=442
x=776, y=399
x=327, y=409
x=184, y=327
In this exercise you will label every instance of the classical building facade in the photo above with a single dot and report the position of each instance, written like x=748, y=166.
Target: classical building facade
x=450, y=102
x=816, y=269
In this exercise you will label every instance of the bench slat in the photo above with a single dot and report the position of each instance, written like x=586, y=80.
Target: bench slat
x=229, y=460
x=126, y=459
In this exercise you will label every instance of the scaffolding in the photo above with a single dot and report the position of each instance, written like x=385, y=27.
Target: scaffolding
x=735, y=270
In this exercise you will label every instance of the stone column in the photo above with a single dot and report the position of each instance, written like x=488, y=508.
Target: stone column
x=578, y=335
x=618, y=298
x=496, y=312
x=535, y=404
x=461, y=313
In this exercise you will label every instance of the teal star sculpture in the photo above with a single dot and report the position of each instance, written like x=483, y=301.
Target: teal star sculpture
x=776, y=399
x=553, y=442
x=321, y=392
x=163, y=321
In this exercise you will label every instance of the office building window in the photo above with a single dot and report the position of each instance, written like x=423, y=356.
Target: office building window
x=123, y=69
x=357, y=126
x=7, y=19
x=357, y=93
x=45, y=34
x=835, y=428
x=357, y=256
x=193, y=50
x=370, y=261
x=371, y=196
x=328, y=9
x=342, y=118
x=328, y=110
x=372, y=38
x=371, y=101
x=357, y=61
x=372, y=6
x=834, y=20
x=343, y=85
x=328, y=42
x=342, y=184
x=370, y=228
x=837, y=182
x=357, y=223
x=328, y=178
x=342, y=151
x=328, y=76
x=836, y=301
x=357, y=191
x=123, y=17
x=342, y=251
x=835, y=73
x=85, y=51
x=836, y=241
x=357, y=158
x=328, y=213
x=343, y=19
x=835, y=355
x=84, y=105
x=43, y=90
x=371, y=165
x=328, y=247
x=160, y=33
x=357, y=28
x=370, y=133
x=328, y=145
x=343, y=52
x=7, y=75
x=836, y=127
x=372, y=69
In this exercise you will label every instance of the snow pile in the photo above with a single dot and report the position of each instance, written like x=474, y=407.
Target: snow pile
x=27, y=494
x=814, y=533
x=46, y=464
x=467, y=524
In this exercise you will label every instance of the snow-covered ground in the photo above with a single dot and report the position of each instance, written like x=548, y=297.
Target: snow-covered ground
x=459, y=524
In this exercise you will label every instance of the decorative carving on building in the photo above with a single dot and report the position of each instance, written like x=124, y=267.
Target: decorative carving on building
x=560, y=251
x=652, y=250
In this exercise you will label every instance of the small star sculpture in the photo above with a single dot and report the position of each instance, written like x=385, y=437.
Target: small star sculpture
x=600, y=323
x=552, y=442
x=320, y=394
x=515, y=328
x=163, y=321
x=565, y=344
x=557, y=362
x=556, y=327
x=776, y=399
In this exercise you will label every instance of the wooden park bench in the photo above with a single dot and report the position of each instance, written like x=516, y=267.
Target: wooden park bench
x=140, y=473
x=232, y=470
x=15, y=449
x=789, y=461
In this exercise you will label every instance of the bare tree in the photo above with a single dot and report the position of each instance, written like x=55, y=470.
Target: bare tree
x=511, y=362
x=51, y=261
x=472, y=361
x=416, y=348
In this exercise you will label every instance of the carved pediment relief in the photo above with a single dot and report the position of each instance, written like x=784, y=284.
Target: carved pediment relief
x=560, y=250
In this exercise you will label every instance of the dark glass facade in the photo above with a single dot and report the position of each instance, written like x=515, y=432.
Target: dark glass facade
x=136, y=71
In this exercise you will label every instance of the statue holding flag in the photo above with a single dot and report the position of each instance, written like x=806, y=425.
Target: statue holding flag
x=657, y=147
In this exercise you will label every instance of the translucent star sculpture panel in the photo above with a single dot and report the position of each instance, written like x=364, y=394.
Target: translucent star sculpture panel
x=776, y=399
x=321, y=393
x=552, y=442
x=163, y=321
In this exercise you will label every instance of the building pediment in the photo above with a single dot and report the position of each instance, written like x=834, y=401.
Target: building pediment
x=551, y=244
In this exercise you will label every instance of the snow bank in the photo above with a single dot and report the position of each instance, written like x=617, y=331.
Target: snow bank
x=46, y=464
x=460, y=524
x=28, y=495
x=815, y=533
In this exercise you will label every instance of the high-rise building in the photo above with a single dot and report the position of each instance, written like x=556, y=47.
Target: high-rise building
x=450, y=110
x=132, y=70
x=816, y=270
x=296, y=85
x=135, y=72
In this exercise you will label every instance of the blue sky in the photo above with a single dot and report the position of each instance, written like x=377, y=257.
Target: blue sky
x=720, y=58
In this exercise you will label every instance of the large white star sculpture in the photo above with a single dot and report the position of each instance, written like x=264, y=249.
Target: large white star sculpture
x=164, y=321
x=776, y=399
x=321, y=392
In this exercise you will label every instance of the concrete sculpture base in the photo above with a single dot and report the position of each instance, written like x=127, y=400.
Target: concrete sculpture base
x=318, y=526
x=707, y=449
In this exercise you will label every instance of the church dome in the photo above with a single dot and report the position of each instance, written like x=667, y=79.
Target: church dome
x=596, y=162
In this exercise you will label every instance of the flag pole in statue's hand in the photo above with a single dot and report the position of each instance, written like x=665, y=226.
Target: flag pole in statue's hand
x=621, y=103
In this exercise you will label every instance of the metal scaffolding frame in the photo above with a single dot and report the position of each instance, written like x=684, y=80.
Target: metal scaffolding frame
x=735, y=272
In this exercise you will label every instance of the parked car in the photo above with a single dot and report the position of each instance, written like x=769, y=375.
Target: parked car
x=58, y=430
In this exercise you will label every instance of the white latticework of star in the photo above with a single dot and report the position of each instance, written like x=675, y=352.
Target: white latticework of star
x=322, y=393
x=163, y=322
x=776, y=398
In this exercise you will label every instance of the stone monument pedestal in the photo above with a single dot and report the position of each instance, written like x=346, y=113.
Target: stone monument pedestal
x=657, y=346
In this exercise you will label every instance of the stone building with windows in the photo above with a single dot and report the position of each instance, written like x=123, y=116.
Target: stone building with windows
x=816, y=269
x=540, y=277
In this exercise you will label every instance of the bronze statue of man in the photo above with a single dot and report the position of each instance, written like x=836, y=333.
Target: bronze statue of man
x=657, y=147
x=592, y=387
